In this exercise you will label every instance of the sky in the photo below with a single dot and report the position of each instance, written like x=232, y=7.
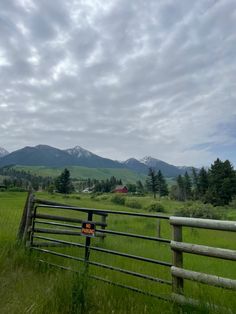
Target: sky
x=120, y=78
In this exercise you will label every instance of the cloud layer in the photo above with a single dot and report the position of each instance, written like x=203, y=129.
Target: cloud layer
x=120, y=78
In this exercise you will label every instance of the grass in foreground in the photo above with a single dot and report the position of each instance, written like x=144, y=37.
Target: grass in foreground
x=29, y=287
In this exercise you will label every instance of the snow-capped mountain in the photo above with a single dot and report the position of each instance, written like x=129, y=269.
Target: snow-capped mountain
x=167, y=169
x=3, y=152
x=78, y=151
x=147, y=162
x=85, y=158
x=44, y=155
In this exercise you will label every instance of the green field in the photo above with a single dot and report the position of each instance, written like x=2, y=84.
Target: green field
x=28, y=286
x=127, y=176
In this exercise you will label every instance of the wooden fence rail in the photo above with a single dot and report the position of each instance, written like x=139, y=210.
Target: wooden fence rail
x=178, y=248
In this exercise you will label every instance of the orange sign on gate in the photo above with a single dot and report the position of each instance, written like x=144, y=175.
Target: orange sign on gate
x=88, y=229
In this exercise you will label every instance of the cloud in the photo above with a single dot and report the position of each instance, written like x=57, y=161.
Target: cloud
x=120, y=78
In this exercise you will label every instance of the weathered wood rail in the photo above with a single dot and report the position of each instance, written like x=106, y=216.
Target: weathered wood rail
x=179, y=274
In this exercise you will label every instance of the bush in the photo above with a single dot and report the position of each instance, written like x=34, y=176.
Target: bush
x=118, y=199
x=199, y=210
x=132, y=203
x=155, y=207
x=104, y=197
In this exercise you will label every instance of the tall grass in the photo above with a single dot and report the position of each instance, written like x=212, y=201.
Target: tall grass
x=27, y=286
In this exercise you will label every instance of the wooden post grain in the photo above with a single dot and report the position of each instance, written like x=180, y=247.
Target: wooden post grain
x=28, y=223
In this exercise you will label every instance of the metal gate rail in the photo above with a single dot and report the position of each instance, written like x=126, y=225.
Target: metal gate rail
x=49, y=219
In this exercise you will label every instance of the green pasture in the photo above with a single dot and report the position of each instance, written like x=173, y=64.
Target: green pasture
x=28, y=286
x=77, y=172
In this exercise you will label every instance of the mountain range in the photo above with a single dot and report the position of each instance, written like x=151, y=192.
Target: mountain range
x=44, y=155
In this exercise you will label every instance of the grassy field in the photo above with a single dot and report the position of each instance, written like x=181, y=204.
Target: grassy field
x=126, y=175
x=28, y=286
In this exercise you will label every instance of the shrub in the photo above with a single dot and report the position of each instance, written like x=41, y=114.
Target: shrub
x=118, y=199
x=132, y=203
x=155, y=207
x=200, y=210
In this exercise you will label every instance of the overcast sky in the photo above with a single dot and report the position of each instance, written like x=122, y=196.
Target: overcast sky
x=120, y=78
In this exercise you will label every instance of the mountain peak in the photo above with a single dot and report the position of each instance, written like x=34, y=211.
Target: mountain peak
x=130, y=160
x=3, y=152
x=78, y=151
x=148, y=160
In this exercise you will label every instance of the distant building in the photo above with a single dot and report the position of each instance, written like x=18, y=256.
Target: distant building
x=88, y=190
x=120, y=189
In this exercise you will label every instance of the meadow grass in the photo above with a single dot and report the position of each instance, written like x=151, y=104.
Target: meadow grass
x=28, y=286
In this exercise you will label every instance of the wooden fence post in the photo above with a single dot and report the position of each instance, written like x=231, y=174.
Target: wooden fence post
x=177, y=260
x=29, y=218
x=21, y=229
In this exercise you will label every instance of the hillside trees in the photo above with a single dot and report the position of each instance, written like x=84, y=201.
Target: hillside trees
x=217, y=185
x=17, y=178
x=156, y=183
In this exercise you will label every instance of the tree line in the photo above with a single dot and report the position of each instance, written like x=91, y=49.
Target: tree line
x=216, y=185
x=20, y=179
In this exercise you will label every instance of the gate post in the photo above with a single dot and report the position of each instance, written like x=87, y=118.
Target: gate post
x=29, y=219
x=177, y=260
x=88, y=241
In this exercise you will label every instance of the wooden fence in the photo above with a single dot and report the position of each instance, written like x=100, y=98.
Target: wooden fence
x=178, y=273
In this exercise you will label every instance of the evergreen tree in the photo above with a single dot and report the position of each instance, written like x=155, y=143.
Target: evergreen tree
x=222, y=183
x=63, y=182
x=203, y=182
x=152, y=182
x=195, y=184
x=187, y=186
x=162, y=185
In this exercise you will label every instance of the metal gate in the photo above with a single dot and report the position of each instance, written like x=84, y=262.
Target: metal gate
x=45, y=223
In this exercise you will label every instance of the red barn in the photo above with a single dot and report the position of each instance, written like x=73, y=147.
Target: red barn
x=121, y=189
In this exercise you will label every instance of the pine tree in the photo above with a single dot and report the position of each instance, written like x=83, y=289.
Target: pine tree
x=152, y=182
x=162, y=185
x=63, y=182
x=222, y=183
x=195, y=184
x=203, y=182
x=187, y=186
